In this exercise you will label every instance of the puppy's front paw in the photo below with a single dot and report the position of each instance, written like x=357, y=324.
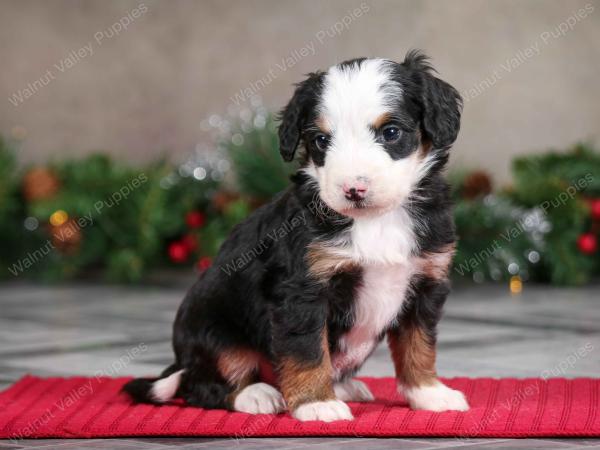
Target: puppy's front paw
x=327, y=411
x=437, y=397
x=259, y=398
x=353, y=391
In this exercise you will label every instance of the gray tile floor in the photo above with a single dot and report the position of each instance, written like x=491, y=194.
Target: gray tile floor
x=85, y=328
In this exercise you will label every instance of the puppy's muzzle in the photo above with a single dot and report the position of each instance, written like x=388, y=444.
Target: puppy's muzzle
x=357, y=190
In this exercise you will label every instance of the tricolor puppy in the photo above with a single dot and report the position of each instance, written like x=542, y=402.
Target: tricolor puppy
x=357, y=249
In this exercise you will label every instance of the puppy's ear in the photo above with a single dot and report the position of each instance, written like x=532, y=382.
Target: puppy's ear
x=295, y=113
x=441, y=103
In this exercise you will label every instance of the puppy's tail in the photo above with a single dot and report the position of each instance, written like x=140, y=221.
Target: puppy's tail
x=155, y=390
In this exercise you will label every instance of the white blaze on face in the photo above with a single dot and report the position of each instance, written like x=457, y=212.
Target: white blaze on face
x=354, y=97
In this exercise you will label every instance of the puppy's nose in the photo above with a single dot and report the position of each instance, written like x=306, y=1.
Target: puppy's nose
x=356, y=191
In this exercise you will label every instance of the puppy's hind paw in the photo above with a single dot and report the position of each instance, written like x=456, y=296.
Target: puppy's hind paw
x=259, y=398
x=353, y=391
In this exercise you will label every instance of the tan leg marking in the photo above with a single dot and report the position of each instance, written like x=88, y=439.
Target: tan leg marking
x=239, y=367
x=414, y=359
x=413, y=355
x=236, y=365
x=303, y=383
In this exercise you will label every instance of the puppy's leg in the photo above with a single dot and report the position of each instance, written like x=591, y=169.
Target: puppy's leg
x=202, y=385
x=239, y=366
x=412, y=344
x=308, y=388
x=303, y=363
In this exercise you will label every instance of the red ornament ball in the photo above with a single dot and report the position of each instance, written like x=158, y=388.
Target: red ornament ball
x=204, y=263
x=178, y=252
x=595, y=208
x=587, y=243
x=195, y=219
x=190, y=241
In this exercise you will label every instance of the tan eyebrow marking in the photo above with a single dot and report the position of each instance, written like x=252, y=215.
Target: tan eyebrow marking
x=382, y=120
x=323, y=125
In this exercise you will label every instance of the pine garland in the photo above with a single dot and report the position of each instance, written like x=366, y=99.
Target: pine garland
x=97, y=214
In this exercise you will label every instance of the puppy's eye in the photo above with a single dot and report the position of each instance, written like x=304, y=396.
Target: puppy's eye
x=390, y=133
x=322, y=141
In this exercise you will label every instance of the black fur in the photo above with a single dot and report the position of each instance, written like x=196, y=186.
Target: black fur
x=437, y=104
x=139, y=389
x=270, y=303
x=296, y=114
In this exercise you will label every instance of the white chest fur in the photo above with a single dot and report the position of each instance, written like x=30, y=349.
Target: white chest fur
x=384, y=248
x=385, y=239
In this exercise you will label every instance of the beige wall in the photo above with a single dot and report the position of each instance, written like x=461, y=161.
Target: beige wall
x=146, y=90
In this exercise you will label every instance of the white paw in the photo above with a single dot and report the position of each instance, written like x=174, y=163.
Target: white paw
x=352, y=391
x=259, y=398
x=437, y=397
x=327, y=411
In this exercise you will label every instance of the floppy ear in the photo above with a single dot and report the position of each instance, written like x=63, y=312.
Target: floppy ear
x=294, y=115
x=442, y=107
x=441, y=103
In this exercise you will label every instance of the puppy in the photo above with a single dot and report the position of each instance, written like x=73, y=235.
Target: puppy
x=358, y=248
